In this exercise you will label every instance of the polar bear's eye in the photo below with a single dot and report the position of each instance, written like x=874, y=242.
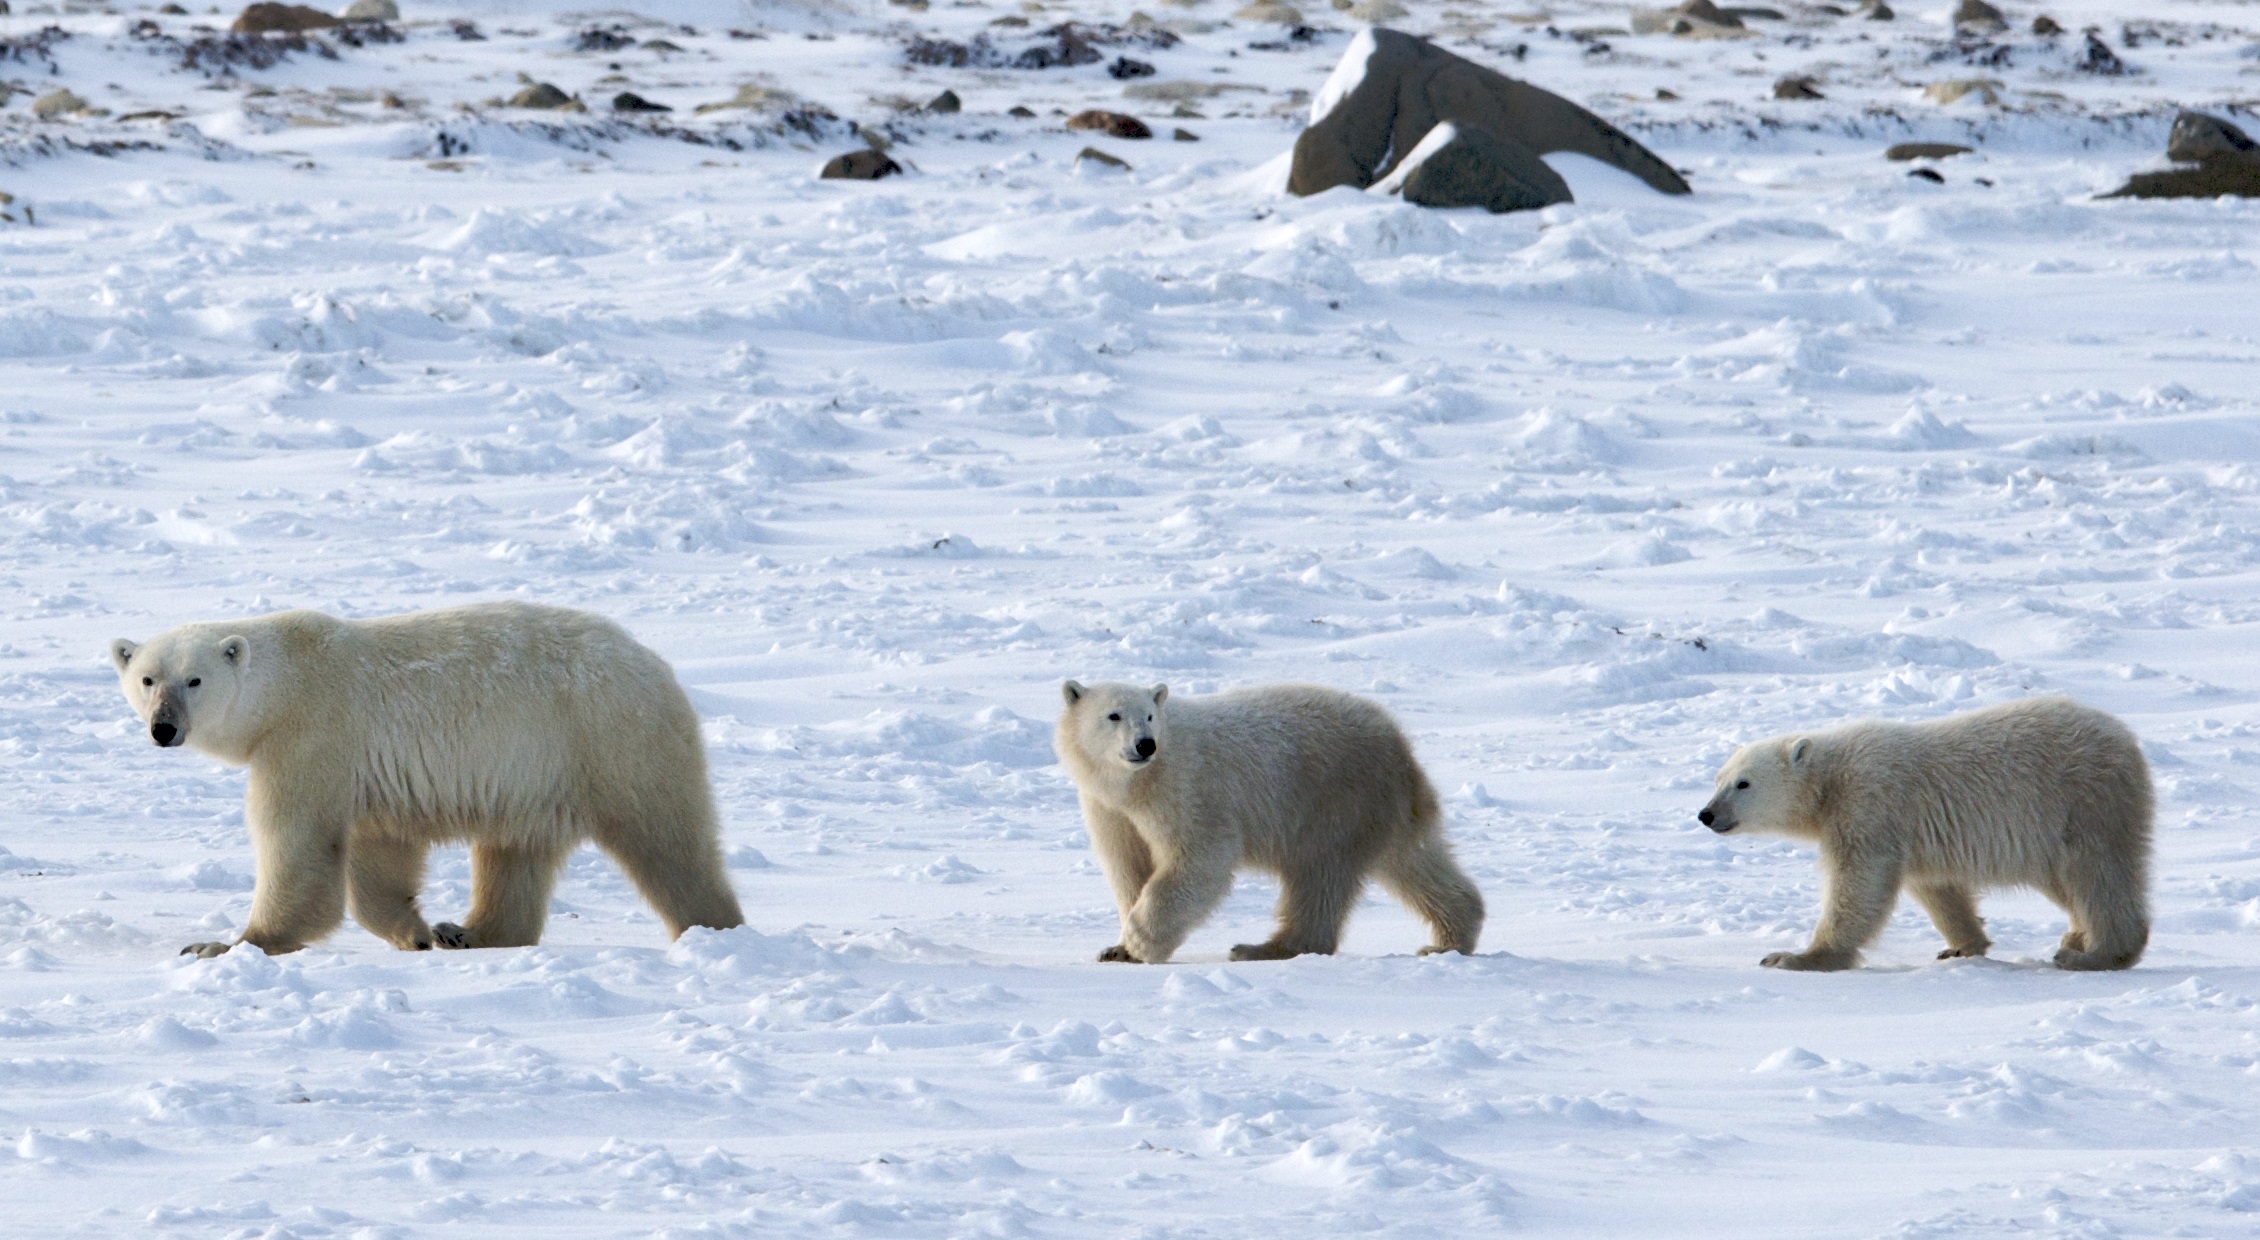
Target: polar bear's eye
x=1742, y=783
x=194, y=681
x=147, y=681
x=1116, y=717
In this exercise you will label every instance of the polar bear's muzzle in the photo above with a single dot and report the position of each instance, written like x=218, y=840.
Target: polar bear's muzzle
x=165, y=730
x=1142, y=752
x=1719, y=818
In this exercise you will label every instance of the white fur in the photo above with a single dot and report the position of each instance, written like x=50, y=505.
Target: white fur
x=1314, y=785
x=2042, y=793
x=522, y=729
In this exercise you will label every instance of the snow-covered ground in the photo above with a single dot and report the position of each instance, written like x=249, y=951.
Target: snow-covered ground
x=1587, y=497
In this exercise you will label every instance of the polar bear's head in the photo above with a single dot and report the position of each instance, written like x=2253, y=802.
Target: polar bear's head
x=189, y=685
x=1758, y=787
x=1114, y=724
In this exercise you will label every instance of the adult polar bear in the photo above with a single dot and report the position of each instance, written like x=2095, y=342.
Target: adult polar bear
x=2042, y=793
x=1310, y=783
x=522, y=729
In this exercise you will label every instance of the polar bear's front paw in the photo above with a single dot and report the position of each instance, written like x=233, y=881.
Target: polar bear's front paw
x=1807, y=962
x=1271, y=949
x=1953, y=953
x=205, y=951
x=449, y=935
x=1118, y=954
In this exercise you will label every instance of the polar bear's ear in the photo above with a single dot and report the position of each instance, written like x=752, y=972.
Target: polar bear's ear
x=235, y=649
x=1161, y=694
x=1072, y=691
x=1798, y=748
x=121, y=652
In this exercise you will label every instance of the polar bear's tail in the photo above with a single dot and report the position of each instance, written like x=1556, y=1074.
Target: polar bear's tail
x=1423, y=874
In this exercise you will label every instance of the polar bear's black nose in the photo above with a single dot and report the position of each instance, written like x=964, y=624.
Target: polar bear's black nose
x=1146, y=747
x=1705, y=817
x=164, y=734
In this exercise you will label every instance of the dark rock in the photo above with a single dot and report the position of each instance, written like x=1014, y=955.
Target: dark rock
x=1473, y=167
x=1978, y=17
x=1409, y=86
x=1705, y=11
x=1666, y=96
x=1112, y=124
x=1021, y=110
x=1878, y=11
x=2198, y=138
x=2221, y=159
x=282, y=19
x=1097, y=156
x=1797, y=88
x=1905, y=151
x=467, y=31
x=1124, y=68
x=946, y=102
x=1185, y=135
x=1755, y=14
x=2045, y=27
x=660, y=45
x=630, y=101
x=2099, y=59
x=603, y=39
x=1928, y=174
x=863, y=165
x=172, y=10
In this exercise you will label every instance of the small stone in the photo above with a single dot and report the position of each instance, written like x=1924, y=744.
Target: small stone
x=2045, y=27
x=172, y=10
x=1021, y=110
x=630, y=101
x=1342, y=6
x=1904, y=151
x=542, y=97
x=1928, y=174
x=371, y=11
x=1185, y=135
x=1986, y=90
x=863, y=165
x=2099, y=59
x=660, y=45
x=282, y=19
x=1124, y=68
x=1797, y=88
x=1756, y=14
x=947, y=102
x=1097, y=156
x=1272, y=12
x=2197, y=138
x=1877, y=11
x=1113, y=124
x=62, y=101
x=1666, y=96
x=1978, y=17
x=1375, y=12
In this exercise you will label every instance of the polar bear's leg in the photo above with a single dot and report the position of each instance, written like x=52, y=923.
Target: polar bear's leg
x=1314, y=901
x=1432, y=884
x=1954, y=911
x=1125, y=858
x=673, y=854
x=1181, y=894
x=509, y=895
x=298, y=836
x=1860, y=892
x=2106, y=901
x=383, y=877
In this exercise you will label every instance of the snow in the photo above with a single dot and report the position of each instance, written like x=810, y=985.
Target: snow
x=1586, y=496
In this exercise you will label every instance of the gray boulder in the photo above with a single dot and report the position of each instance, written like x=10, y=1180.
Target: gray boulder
x=1400, y=87
x=2221, y=159
x=1466, y=166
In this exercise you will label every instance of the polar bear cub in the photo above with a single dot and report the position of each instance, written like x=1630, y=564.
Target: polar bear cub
x=521, y=729
x=1314, y=785
x=2042, y=793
